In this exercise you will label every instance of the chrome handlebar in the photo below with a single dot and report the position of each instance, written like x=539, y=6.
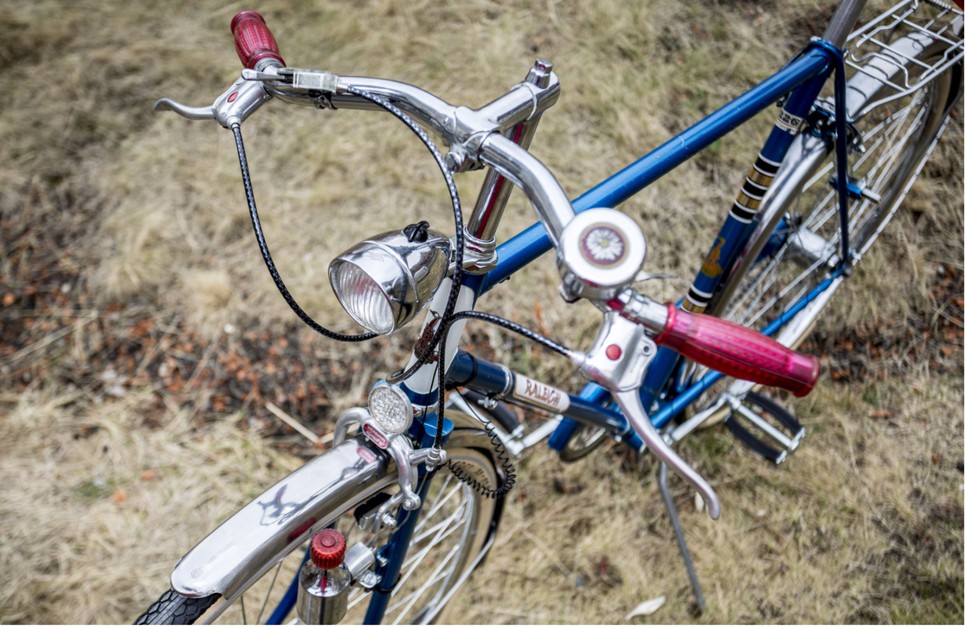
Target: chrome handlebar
x=474, y=139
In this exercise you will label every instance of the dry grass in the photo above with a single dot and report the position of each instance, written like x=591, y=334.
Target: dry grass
x=102, y=492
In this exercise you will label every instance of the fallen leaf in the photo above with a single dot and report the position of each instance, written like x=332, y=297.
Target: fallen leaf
x=119, y=497
x=646, y=608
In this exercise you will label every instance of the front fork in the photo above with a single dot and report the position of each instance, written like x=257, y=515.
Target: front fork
x=391, y=556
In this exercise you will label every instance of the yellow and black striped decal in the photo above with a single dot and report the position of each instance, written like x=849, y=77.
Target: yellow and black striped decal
x=742, y=213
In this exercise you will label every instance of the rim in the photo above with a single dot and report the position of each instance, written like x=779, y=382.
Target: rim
x=584, y=440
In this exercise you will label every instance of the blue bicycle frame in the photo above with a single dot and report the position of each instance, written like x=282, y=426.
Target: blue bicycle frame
x=798, y=84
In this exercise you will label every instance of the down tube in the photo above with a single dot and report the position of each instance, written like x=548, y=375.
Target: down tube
x=533, y=242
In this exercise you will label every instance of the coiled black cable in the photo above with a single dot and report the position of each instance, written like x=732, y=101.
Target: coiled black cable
x=502, y=456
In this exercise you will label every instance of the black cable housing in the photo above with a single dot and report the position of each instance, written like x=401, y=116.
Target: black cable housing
x=266, y=254
x=448, y=317
x=273, y=270
x=426, y=354
x=502, y=456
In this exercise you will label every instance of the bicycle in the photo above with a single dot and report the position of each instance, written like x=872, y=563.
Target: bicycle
x=387, y=473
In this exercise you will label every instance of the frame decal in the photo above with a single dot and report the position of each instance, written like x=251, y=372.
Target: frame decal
x=540, y=394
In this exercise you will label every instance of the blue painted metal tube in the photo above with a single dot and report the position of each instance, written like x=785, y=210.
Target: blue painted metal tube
x=567, y=427
x=491, y=379
x=394, y=553
x=587, y=411
x=532, y=242
x=477, y=374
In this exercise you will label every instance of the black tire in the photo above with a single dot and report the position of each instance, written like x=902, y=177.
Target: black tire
x=173, y=608
x=468, y=520
x=585, y=439
x=898, y=136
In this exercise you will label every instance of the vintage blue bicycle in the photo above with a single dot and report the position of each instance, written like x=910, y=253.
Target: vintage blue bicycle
x=389, y=523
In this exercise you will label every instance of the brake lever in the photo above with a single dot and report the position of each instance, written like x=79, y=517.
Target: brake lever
x=232, y=107
x=632, y=408
x=618, y=360
x=190, y=112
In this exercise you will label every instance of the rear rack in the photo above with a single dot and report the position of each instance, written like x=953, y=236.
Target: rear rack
x=872, y=50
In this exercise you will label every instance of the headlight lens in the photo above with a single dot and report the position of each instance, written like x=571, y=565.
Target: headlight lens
x=361, y=298
x=384, y=281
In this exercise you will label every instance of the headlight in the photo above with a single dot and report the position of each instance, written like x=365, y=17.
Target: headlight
x=384, y=281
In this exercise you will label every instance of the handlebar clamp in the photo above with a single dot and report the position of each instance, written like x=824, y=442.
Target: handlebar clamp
x=620, y=355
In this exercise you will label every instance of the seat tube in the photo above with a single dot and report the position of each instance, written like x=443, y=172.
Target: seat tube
x=740, y=224
x=741, y=220
x=843, y=21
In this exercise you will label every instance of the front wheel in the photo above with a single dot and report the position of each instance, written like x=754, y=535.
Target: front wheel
x=453, y=528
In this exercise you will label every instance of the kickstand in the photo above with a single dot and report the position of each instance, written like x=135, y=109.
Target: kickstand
x=678, y=531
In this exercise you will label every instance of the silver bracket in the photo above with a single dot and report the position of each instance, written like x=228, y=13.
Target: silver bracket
x=399, y=448
x=479, y=256
x=620, y=355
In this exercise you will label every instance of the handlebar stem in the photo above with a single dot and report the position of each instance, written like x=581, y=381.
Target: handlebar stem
x=536, y=180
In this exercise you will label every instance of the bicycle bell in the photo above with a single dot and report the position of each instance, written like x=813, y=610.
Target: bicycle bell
x=601, y=251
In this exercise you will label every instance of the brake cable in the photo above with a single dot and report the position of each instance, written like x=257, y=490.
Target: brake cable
x=266, y=254
x=280, y=283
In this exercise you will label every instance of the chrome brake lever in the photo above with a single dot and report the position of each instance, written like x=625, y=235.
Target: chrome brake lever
x=232, y=107
x=618, y=360
x=629, y=402
x=192, y=113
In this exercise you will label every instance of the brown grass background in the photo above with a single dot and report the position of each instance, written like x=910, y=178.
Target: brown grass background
x=142, y=338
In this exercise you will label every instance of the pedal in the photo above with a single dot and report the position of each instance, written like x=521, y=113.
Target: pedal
x=764, y=426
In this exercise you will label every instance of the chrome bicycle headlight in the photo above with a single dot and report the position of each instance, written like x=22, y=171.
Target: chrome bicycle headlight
x=384, y=281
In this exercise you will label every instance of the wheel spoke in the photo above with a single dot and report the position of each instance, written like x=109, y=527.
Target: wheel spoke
x=441, y=524
x=436, y=556
x=271, y=586
x=894, y=139
x=437, y=574
x=444, y=532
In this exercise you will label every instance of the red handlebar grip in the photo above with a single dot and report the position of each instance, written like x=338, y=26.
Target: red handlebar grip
x=253, y=40
x=738, y=352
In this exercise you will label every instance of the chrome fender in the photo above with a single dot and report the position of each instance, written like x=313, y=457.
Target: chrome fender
x=268, y=528
x=258, y=536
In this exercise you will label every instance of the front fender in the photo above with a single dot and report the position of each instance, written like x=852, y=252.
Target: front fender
x=255, y=538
